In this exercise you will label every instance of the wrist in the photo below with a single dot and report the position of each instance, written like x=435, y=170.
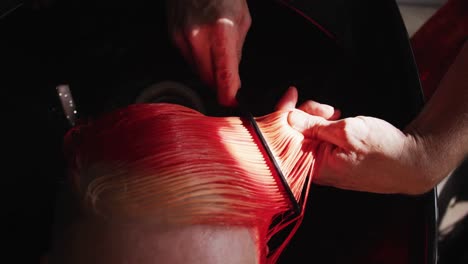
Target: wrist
x=419, y=158
x=426, y=161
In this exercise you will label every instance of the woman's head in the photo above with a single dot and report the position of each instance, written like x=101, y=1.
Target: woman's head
x=163, y=167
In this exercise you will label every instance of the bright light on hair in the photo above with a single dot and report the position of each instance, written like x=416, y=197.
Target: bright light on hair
x=168, y=164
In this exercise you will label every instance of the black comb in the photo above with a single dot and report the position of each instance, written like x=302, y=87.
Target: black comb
x=296, y=208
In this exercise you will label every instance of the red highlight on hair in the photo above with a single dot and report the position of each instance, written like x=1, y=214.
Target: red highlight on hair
x=171, y=165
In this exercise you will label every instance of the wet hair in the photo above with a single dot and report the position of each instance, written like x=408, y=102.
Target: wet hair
x=167, y=164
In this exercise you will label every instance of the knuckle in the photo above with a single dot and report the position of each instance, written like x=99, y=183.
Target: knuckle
x=310, y=107
x=353, y=126
x=350, y=133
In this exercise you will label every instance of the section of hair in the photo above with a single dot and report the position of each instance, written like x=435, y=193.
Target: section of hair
x=169, y=164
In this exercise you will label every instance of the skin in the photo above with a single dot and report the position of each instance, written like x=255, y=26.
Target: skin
x=360, y=153
x=210, y=35
x=96, y=241
x=368, y=154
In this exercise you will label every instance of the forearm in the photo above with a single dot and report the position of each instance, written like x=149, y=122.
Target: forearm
x=441, y=129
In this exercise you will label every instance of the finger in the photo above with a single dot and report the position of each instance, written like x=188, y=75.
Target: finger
x=199, y=40
x=226, y=61
x=316, y=127
x=289, y=100
x=306, y=124
x=318, y=109
x=336, y=115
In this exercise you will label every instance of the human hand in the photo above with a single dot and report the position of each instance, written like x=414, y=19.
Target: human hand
x=359, y=153
x=210, y=35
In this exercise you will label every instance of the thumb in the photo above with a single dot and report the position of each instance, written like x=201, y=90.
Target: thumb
x=226, y=61
x=289, y=100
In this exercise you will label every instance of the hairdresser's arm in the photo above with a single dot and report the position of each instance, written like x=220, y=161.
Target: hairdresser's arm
x=442, y=127
x=210, y=35
x=368, y=154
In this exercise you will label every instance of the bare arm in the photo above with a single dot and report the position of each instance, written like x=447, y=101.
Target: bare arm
x=369, y=154
x=442, y=127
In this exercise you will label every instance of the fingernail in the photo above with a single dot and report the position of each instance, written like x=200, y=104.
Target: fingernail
x=291, y=88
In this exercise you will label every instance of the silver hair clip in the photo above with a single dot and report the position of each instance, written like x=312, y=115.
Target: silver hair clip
x=68, y=104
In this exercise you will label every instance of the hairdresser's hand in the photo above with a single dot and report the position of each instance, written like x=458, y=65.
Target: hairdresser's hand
x=360, y=153
x=210, y=35
x=289, y=100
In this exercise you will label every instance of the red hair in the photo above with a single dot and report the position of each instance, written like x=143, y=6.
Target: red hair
x=169, y=164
